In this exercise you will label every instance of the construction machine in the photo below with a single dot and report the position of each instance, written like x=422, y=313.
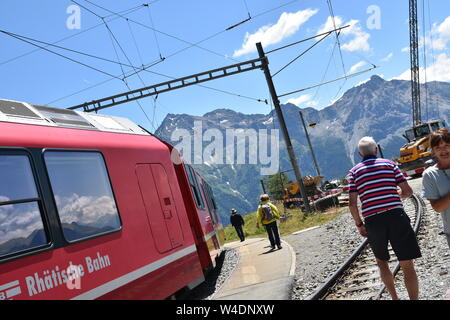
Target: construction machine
x=416, y=151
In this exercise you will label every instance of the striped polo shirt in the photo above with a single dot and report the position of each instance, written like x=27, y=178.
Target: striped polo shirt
x=375, y=180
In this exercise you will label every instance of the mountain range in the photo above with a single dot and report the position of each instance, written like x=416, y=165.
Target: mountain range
x=377, y=108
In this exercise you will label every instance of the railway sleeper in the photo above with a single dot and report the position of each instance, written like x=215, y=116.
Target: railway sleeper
x=361, y=288
x=362, y=279
x=370, y=270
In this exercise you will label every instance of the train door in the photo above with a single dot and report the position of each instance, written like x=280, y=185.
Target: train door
x=160, y=206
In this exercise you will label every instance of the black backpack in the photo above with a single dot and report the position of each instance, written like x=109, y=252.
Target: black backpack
x=267, y=211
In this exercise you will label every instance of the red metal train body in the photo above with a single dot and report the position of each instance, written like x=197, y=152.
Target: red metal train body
x=93, y=207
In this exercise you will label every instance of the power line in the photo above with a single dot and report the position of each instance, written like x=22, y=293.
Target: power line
x=433, y=56
x=113, y=38
x=124, y=12
x=425, y=59
x=303, y=40
x=330, y=8
x=327, y=82
x=149, y=65
x=301, y=54
x=154, y=32
x=60, y=55
x=135, y=43
x=159, y=31
x=326, y=70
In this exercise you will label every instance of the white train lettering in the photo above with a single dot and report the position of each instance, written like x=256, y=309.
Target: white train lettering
x=98, y=263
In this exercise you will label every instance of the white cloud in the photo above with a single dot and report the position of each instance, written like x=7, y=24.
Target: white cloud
x=303, y=99
x=442, y=32
x=388, y=57
x=360, y=40
x=329, y=24
x=357, y=66
x=86, y=210
x=287, y=25
x=438, y=71
x=438, y=39
x=18, y=221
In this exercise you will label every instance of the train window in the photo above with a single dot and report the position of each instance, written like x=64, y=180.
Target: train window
x=211, y=196
x=21, y=224
x=194, y=187
x=83, y=194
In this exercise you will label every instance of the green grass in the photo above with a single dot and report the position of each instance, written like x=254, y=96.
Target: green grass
x=295, y=222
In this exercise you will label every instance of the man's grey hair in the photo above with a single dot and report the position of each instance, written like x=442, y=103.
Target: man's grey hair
x=367, y=146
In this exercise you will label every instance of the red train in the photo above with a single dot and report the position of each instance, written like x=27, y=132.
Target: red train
x=92, y=207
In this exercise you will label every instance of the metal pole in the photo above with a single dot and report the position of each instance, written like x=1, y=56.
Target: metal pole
x=283, y=127
x=310, y=145
x=381, y=151
x=263, y=186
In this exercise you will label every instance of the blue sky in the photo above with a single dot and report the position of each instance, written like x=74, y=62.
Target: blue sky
x=378, y=35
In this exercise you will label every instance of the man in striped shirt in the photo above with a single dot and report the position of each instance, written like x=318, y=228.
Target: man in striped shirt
x=375, y=181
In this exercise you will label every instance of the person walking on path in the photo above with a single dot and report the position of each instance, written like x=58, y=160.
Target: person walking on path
x=268, y=215
x=436, y=179
x=237, y=222
x=375, y=180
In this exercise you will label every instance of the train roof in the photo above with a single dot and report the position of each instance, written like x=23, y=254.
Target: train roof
x=26, y=113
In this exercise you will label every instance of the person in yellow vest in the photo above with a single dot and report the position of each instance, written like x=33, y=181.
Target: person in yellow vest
x=268, y=215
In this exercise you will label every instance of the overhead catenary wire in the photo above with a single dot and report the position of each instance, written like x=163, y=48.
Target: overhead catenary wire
x=246, y=7
x=434, y=60
x=114, y=39
x=425, y=59
x=330, y=8
x=135, y=43
x=124, y=12
x=326, y=70
x=154, y=32
x=219, y=90
x=306, y=39
x=61, y=55
x=327, y=82
x=151, y=64
x=243, y=21
x=301, y=54
x=161, y=32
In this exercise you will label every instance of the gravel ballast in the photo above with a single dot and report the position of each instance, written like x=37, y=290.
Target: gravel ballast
x=320, y=252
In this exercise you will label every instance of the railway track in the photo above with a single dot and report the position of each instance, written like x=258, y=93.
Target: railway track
x=358, y=277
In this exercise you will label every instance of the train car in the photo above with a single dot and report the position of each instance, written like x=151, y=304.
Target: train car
x=92, y=207
x=207, y=227
x=213, y=234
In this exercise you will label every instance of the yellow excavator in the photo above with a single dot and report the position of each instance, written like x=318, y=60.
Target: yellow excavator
x=416, y=152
